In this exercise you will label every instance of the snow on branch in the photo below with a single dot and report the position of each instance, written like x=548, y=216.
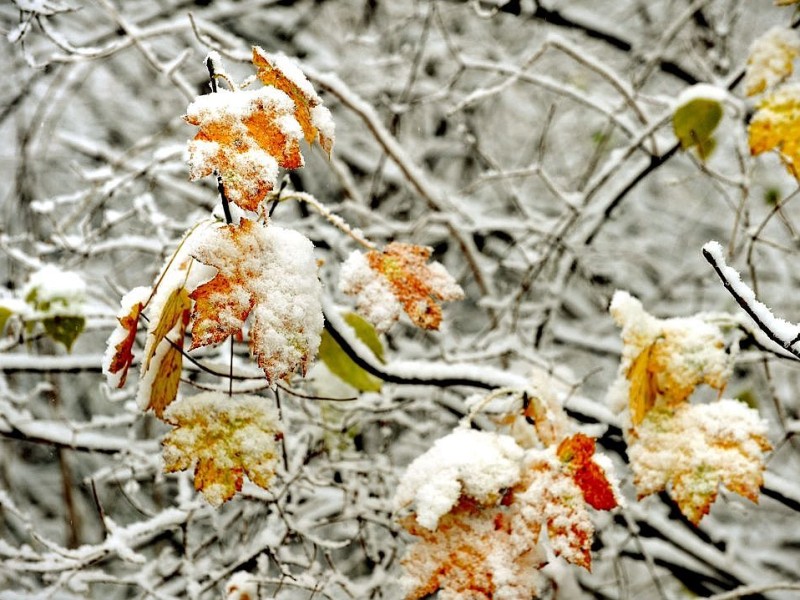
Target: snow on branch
x=780, y=331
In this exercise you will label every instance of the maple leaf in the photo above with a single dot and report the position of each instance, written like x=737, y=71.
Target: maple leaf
x=280, y=71
x=225, y=438
x=244, y=136
x=474, y=553
x=694, y=449
x=271, y=273
x=399, y=276
x=771, y=59
x=776, y=126
x=578, y=452
x=664, y=360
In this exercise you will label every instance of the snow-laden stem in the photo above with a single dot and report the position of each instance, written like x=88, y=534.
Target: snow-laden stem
x=783, y=333
x=333, y=219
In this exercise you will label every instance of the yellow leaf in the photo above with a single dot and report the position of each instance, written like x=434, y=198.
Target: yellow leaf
x=643, y=387
x=225, y=439
x=172, y=312
x=776, y=126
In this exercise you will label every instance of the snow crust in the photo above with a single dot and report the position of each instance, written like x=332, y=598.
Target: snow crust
x=701, y=90
x=476, y=463
x=53, y=292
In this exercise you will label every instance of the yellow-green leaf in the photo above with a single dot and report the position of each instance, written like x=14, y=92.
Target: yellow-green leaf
x=694, y=123
x=64, y=329
x=5, y=314
x=365, y=332
x=341, y=365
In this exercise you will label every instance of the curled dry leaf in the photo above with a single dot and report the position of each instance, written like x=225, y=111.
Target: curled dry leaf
x=664, y=360
x=399, y=276
x=271, y=273
x=694, y=449
x=577, y=452
x=118, y=357
x=224, y=438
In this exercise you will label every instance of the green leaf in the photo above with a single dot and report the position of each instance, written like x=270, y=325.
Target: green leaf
x=64, y=329
x=341, y=365
x=366, y=333
x=694, y=123
x=5, y=313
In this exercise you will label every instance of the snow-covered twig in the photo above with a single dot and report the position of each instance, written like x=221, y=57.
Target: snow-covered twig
x=780, y=331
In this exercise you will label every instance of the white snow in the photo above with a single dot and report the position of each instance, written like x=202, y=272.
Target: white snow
x=704, y=91
x=53, y=292
x=478, y=464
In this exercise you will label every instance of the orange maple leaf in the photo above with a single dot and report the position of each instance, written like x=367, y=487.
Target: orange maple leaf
x=695, y=448
x=399, y=277
x=244, y=136
x=225, y=439
x=271, y=273
x=314, y=118
x=577, y=452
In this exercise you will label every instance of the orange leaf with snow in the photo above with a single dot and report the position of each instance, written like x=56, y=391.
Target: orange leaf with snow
x=267, y=272
x=776, y=126
x=245, y=136
x=578, y=452
x=281, y=72
x=399, y=277
x=693, y=449
x=225, y=438
x=664, y=360
x=480, y=504
x=163, y=352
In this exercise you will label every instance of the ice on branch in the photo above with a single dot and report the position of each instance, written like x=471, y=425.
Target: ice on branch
x=225, y=439
x=691, y=450
x=776, y=126
x=663, y=360
x=267, y=272
x=771, y=59
x=398, y=277
x=476, y=464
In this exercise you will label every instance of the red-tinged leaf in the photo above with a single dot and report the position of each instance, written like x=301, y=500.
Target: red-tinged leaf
x=578, y=452
x=123, y=351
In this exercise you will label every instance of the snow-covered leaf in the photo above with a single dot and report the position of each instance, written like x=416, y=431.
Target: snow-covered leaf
x=280, y=71
x=696, y=117
x=399, y=277
x=578, y=452
x=224, y=438
x=691, y=450
x=119, y=352
x=271, y=273
x=776, y=126
x=771, y=59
